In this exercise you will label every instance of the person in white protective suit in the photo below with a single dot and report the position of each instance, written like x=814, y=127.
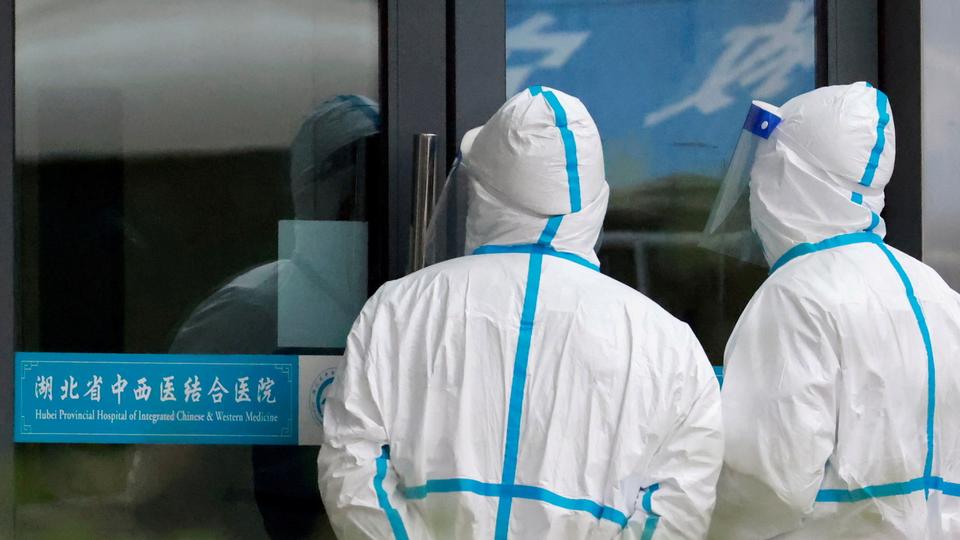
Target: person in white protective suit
x=842, y=387
x=517, y=392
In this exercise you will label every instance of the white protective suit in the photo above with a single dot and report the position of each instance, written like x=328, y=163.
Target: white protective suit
x=518, y=392
x=842, y=388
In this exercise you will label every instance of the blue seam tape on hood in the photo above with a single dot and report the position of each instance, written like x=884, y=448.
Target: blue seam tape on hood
x=396, y=523
x=883, y=118
x=869, y=172
x=569, y=146
x=550, y=231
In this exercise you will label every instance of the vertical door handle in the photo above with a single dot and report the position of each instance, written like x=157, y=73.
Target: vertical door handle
x=425, y=178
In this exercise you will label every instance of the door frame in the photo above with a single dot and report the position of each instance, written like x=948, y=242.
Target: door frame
x=444, y=72
x=8, y=303
x=879, y=41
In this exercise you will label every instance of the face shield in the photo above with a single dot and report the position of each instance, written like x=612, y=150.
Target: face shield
x=446, y=235
x=334, y=189
x=447, y=231
x=729, y=230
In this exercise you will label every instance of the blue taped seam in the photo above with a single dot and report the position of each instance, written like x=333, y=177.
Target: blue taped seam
x=874, y=221
x=536, y=248
x=867, y=237
x=569, y=146
x=517, y=386
x=870, y=492
x=393, y=517
x=833, y=242
x=931, y=364
x=533, y=493
x=894, y=489
x=650, y=525
x=882, y=119
x=550, y=231
x=857, y=197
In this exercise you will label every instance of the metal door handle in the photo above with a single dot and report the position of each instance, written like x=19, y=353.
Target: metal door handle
x=425, y=178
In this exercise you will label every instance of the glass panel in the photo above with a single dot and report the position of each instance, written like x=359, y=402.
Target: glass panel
x=941, y=130
x=194, y=176
x=669, y=83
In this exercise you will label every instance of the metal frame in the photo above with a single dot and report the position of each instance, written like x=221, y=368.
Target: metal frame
x=879, y=41
x=7, y=267
x=846, y=41
x=477, y=66
x=444, y=65
x=413, y=89
x=899, y=37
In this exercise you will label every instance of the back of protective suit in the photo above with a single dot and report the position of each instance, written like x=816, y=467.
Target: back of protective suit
x=841, y=393
x=517, y=392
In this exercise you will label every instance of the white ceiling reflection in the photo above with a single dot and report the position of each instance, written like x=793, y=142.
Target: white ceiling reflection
x=147, y=76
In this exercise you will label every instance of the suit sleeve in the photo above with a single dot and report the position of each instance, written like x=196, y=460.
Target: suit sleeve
x=357, y=482
x=682, y=475
x=780, y=411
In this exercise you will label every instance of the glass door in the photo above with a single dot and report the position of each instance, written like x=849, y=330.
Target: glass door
x=668, y=83
x=194, y=179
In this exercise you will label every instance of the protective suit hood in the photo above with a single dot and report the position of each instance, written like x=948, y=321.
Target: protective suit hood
x=323, y=166
x=823, y=171
x=539, y=157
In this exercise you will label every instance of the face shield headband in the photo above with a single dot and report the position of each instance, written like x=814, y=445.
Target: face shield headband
x=728, y=230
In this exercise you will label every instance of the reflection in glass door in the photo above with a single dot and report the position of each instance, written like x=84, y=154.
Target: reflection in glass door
x=668, y=83
x=193, y=177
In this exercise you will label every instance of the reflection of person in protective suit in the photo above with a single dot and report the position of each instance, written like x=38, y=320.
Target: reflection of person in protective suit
x=841, y=386
x=327, y=161
x=519, y=392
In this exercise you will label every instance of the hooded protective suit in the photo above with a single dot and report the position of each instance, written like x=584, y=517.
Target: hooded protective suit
x=842, y=391
x=518, y=392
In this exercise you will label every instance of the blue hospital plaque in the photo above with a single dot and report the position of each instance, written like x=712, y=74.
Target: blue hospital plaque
x=167, y=399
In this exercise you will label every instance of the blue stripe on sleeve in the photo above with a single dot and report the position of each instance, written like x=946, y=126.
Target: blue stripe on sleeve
x=393, y=517
x=650, y=526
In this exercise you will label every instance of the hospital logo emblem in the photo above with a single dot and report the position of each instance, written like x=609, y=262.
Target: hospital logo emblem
x=318, y=393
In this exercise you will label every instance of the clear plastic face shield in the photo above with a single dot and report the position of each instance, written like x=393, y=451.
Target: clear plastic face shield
x=729, y=230
x=446, y=235
x=330, y=157
x=334, y=188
